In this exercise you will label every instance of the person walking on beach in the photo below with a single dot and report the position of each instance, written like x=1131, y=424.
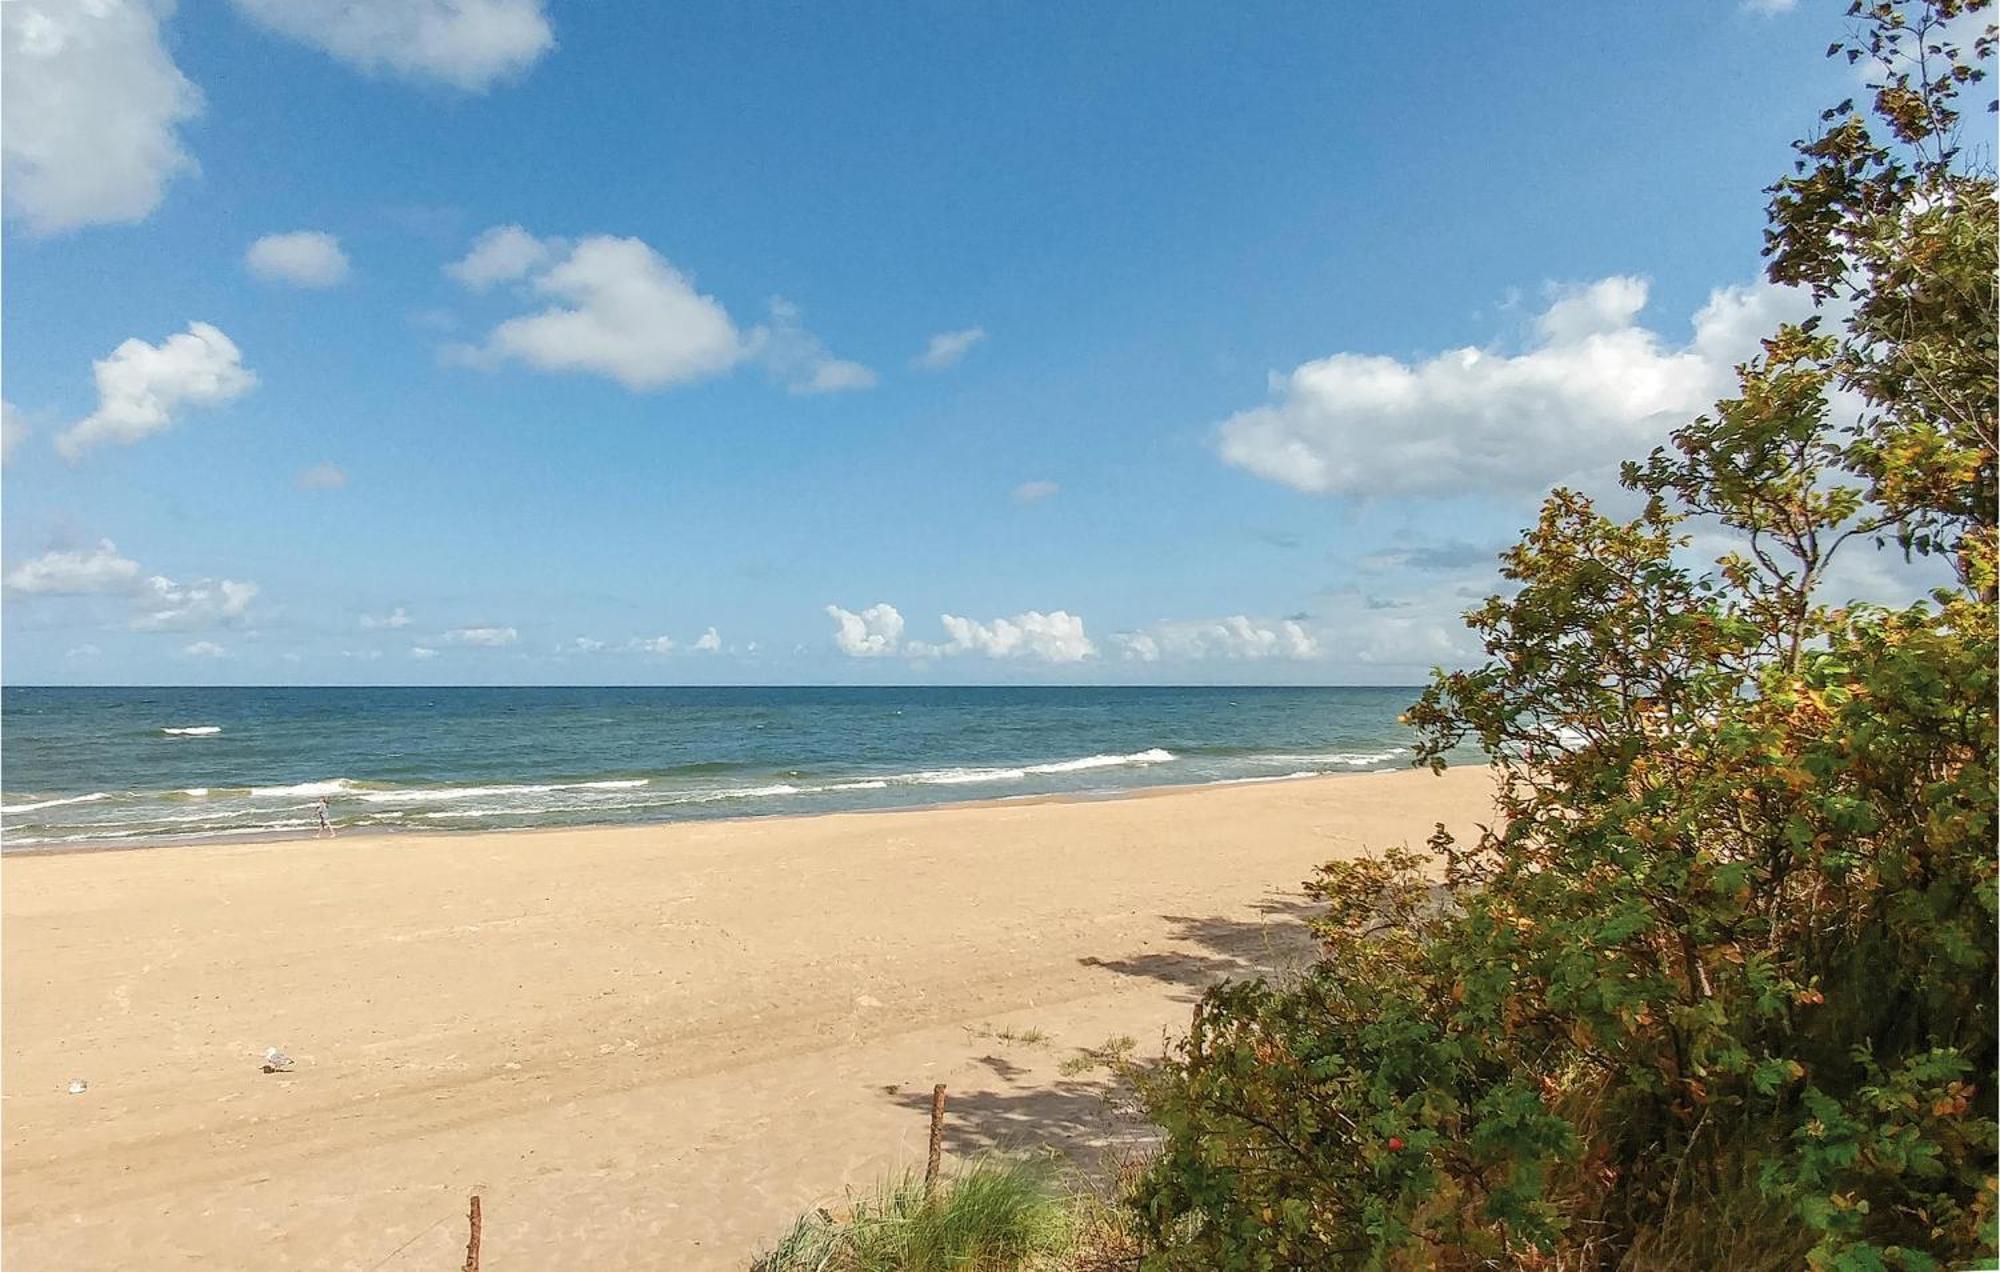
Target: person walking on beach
x=325, y=826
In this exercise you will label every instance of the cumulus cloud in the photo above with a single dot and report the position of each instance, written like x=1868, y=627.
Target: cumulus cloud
x=94, y=107
x=1029, y=492
x=623, y=311
x=1054, y=637
x=140, y=387
x=1235, y=637
x=503, y=254
x=422, y=652
x=1593, y=388
x=165, y=604
x=76, y=573
x=323, y=476
x=651, y=644
x=158, y=602
x=948, y=348
x=303, y=258
x=204, y=649
x=710, y=642
x=466, y=44
x=799, y=360
x=875, y=632
x=582, y=645
x=484, y=637
x=395, y=618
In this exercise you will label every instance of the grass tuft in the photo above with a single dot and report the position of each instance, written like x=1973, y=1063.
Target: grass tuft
x=996, y=1215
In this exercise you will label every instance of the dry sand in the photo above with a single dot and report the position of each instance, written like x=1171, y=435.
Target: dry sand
x=646, y=1047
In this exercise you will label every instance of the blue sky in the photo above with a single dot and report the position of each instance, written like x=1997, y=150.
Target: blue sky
x=1258, y=328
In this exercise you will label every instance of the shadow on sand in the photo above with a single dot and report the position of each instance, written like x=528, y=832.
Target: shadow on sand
x=1092, y=1117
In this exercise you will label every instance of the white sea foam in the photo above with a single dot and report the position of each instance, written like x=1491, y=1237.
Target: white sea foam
x=442, y=794
x=303, y=790
x=1346, y=759
x=964, y=776
x=739, y=792
x=1271, y=777
x=91, y=798
x=193, y=731
x=1137, y=758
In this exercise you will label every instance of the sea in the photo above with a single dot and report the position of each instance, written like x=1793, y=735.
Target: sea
x=84, y=767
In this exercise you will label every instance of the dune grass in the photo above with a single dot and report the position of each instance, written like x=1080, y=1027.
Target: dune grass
x=996, y=1215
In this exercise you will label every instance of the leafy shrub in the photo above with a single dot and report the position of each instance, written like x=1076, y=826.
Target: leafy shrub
x=1718, y=986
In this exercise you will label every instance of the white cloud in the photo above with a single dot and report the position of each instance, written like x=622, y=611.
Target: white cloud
x=85, y=650
x=503, y=254
x=141, y=386
x=1055, y=637
x=165, y=604
x=948, y=348
x=76, y=573
x=13, y=429
x=873, y=633
x=798, y=359
x=1235, y=637
x=1770, y=8
x=304, y=258
x=323, y=476
x=626, y=313
x=1594, y=388
x=651, y=644
x=485, y=637
x=467, y=44
x=158, y=602
x=93, y=105
x=1029, y=492
x=709, y=643
x=205, y=649
x=397, y=617
x=582, y=645
x=420, y=652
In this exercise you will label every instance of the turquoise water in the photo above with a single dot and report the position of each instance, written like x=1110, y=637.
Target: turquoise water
x=112, y=765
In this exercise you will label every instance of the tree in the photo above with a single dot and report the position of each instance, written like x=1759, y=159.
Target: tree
x=1718, y=987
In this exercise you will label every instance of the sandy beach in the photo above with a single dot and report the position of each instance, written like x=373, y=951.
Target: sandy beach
x=645, y=1047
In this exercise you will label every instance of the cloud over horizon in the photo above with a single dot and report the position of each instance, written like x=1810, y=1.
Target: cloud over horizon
x=158, y=602
x=1593, y=388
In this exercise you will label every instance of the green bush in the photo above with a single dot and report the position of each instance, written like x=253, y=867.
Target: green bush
x=995, y=1216
x=1718, y=986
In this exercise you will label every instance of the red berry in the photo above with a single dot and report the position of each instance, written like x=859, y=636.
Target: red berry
x=1395, y=1144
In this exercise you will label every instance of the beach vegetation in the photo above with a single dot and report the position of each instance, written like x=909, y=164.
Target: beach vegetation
x=1717, y=986
x=995, y=1215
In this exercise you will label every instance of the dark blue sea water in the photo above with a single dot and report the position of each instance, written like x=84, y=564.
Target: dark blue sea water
x=110, y=765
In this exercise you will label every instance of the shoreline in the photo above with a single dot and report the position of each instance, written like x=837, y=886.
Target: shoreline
x=644, y=1045
x=258, y=837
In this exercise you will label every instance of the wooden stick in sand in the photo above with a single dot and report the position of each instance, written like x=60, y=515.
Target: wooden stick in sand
x=937, y=1139
x=472, y=1243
